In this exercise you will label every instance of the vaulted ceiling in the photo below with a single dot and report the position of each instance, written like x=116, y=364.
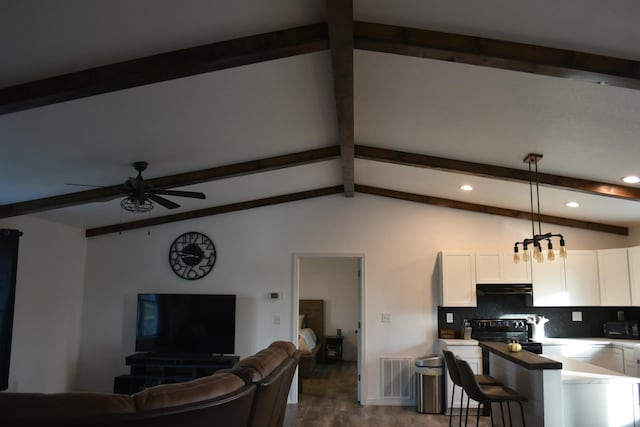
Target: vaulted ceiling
x=256, y=104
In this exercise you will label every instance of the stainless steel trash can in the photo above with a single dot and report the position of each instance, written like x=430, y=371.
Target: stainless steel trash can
x=429, y=384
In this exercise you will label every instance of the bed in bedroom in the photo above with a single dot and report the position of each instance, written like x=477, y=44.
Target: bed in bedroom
x=310, y=334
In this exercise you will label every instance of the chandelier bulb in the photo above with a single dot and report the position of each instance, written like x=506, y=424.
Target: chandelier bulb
x=516, y=258
x=563, y=252
x=550, y=255
x=525, y=256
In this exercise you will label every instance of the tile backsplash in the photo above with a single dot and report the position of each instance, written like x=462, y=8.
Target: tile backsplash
x=560, y=323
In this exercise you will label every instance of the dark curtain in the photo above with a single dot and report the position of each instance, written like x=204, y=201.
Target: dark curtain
x=8, y=266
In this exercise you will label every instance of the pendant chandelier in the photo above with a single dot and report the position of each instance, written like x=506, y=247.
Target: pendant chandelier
x=537, y=239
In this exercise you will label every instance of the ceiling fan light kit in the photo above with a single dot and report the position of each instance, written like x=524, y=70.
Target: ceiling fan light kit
x=141, y=194
x=132, y=204
x=536, y=239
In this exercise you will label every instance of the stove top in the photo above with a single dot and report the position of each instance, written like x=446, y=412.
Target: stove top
x=504, y=330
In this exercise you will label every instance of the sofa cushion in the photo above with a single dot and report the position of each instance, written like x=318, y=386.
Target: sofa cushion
x=195, y=391
x=284, y=345
x=257, y=367
x=55, y=406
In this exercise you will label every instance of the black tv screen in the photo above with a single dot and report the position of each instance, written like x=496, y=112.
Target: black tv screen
x=186, y=324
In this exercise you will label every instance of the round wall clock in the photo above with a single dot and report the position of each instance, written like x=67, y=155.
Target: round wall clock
x=192, y=255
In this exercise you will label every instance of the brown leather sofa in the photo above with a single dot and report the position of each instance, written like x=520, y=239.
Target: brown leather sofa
x=271, y=370
x=253, y=393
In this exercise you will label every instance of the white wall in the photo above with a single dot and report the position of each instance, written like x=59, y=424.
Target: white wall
x=634, y=236
x=400, y=241
x=49, y=286
x=334, y=280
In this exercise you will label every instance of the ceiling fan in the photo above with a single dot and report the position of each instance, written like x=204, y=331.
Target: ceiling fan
x=141, y=194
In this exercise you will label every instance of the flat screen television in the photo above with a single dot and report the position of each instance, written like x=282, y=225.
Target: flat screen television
x=186, y=324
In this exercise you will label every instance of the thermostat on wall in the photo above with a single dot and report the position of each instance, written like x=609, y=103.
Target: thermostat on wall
x=274, y=295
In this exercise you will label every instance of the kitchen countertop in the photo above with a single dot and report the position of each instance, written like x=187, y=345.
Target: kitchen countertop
x=575, y=371
x=526, y=359
x=457, y=341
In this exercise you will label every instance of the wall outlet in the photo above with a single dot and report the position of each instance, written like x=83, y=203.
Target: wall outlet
x=386, y=317
x=449, y=317
x=576, y=316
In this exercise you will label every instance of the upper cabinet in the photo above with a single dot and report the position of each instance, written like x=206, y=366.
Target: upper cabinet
x=458, y=278
x=634, y=274
x=548, y=278
x=572, y=281
x=581, y=278
x=608, y=277
x=498, y=267
x=613, y=275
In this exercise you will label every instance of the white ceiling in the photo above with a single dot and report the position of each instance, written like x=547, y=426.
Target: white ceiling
x=283, y=106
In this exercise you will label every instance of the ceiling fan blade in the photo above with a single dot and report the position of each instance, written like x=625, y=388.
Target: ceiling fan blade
x=192, y=194
x=83, y=185
x=162, y=201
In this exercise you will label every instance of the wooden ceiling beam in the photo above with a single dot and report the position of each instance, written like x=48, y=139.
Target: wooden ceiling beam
x=497, y=172
x=216, y=210
x=178, y=180
x=511, y=213
x=165, y=66
x=498, y=54
x=340, y=23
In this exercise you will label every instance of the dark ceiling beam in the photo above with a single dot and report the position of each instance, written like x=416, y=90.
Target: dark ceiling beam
x=340, y=23
x=216, y=210
x=178, y=180
x=454, y=204
x=165, y=66
x=497, y=172
x=498, y=54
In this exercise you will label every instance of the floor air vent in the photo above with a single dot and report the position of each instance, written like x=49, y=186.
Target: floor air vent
x=397, y=378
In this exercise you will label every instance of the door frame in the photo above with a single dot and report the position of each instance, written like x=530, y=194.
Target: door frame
x=297, y=257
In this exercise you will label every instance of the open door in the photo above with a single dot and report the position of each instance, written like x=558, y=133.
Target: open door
x=353, y=285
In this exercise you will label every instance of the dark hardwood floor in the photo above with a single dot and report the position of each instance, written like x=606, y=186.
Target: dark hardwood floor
x=329, y=399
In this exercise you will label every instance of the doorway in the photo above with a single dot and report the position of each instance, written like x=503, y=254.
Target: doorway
x=338, y=280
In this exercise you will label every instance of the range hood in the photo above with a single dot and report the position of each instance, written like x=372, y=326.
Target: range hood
x=525, y=289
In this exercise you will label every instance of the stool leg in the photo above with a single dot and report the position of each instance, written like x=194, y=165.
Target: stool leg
x=478, y=415
x=490, y=412
x=522, y=413
x=509, y=411
x=502, y=414
x=466, y=416
x=461, y=401
x=453, y=393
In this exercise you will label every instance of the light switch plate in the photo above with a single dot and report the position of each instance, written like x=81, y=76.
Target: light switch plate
x=386, y=317
x=576, y=316
x=449, y=317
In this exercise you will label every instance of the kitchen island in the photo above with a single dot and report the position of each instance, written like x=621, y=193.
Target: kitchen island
x=563, y=391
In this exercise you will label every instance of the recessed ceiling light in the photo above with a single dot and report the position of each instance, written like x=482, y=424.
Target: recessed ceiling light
x=466, y=187
x=631, y=179
x=573, y=204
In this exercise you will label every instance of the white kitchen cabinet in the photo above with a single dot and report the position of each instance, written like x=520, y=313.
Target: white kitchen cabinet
x=613, y=275
x=572, y=281
x=548, y=280
x=630, y=362
x=633, y=255
x=458, y=278
x=498, y=267
x=473, y=356
x=581, y=278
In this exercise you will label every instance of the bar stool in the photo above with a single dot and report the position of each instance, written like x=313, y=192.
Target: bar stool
x=450, y=360
x=488, y=394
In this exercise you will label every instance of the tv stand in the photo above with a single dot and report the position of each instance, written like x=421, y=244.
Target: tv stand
x=149, y=369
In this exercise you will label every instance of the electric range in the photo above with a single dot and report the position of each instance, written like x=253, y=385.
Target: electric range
x=504, y=330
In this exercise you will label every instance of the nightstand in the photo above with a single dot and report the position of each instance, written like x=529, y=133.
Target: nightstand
x=333, y=347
